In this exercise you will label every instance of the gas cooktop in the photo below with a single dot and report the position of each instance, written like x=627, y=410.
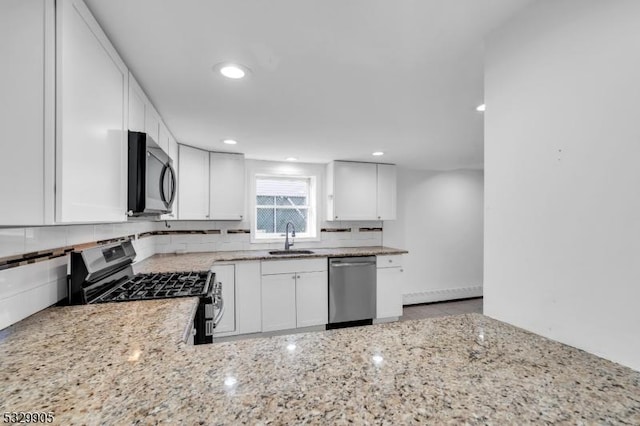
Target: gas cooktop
x=159, y=286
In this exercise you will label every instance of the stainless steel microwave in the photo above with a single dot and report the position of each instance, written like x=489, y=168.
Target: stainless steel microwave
x=152, y=178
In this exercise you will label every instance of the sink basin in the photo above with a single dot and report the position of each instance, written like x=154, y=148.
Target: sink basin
x=292, y=252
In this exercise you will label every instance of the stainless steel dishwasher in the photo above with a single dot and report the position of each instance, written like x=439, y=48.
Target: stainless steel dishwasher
x=352, y=290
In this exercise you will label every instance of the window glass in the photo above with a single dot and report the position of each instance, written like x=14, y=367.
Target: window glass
x=279, y=201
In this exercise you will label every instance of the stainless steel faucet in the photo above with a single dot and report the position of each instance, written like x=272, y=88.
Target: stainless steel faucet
x=288, y=244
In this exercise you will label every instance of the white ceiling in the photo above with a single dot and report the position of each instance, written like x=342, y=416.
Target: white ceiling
x=331, y=79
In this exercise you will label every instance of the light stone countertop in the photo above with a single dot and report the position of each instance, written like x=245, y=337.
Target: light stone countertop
x=125, y=363
x=203, y=261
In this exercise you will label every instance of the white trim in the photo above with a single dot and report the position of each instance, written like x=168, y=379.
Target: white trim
x=441, y=294
x=315, y=172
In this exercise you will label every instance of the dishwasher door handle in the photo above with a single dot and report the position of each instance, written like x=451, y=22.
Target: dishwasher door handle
x=343, y=264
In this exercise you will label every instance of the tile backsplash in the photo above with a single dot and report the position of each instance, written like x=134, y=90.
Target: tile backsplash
x=33, y=275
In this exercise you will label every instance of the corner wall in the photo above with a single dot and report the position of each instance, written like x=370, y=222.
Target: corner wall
x=562, y=170
x=440, y=223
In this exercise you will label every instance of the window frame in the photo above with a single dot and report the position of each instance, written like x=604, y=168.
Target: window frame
x=312, y=233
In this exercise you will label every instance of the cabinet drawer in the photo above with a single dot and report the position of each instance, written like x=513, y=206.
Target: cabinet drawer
x=389, y=261
x=270, y=267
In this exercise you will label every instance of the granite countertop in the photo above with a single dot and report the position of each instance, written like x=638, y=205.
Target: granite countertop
x=126, y=364
x=203, y=261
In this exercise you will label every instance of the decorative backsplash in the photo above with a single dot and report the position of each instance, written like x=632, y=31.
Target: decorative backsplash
x=39, y=256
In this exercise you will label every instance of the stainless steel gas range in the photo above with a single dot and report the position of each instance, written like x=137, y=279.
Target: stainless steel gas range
x=105, y=274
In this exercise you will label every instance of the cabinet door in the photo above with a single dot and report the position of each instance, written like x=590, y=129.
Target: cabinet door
x=137, y=105
x=354, y=191
x=152, y=123
x=227, y=187
x=389, y=292
x=249, y=297
x=386, y=192
x=27, y=111
x=225, y=274
x=163, y=137
x=312, y=299
x=278, y=302
x=193, y=183
x=92, y=114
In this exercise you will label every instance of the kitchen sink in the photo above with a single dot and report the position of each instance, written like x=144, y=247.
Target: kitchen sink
x=280, y=252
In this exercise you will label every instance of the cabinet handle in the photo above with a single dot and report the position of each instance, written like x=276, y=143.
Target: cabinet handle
x=298, y=276
x=378, y=217
x=390, y=260
x=336, y=217
x=401, y=270
x=293, y=277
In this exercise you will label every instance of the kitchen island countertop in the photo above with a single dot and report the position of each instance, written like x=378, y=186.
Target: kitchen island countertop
x=126, y=363
x=204, y=260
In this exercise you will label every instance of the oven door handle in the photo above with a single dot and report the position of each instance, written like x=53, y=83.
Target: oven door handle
x=220, y=313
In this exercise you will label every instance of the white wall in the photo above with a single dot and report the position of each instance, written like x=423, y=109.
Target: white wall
x=440, y=223
x=562, y=166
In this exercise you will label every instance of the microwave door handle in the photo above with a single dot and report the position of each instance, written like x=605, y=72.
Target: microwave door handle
x=173, y=184
x=161, y=183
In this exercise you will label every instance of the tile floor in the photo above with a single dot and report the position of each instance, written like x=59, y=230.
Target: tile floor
x=442, y=309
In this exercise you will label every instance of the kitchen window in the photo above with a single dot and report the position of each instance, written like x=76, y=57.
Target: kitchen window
x=284, y=199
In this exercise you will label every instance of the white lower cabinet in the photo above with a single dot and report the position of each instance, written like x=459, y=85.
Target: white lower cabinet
x=248, y=297
x=312, y=299
x=294, y=294
x=389, y=287
x=278, y=302
x=225, y=274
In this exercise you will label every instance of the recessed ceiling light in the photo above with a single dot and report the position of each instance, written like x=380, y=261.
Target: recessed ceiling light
x=230, y=141
x=377, y=153
x=481, y=108
x=233, y=71
x=292, y=158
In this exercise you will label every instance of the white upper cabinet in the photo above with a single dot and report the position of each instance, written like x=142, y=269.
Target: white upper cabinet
x=143, y=117
x=137, y=105
x=227, y=186
x=386, y=209
x=152, y=123
x=353, y=195
x=193, y=183
x=91, y=116
x=163, y=137
x=360, y=191
x=27, y=111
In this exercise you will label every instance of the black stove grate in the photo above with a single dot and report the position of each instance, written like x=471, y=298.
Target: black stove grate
x=160, y=286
